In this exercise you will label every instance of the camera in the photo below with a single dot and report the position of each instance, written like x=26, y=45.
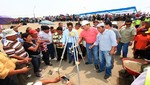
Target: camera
x=65, y=78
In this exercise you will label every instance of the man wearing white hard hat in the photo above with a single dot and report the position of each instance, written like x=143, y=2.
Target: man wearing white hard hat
x=89, y=35
x=106, y=40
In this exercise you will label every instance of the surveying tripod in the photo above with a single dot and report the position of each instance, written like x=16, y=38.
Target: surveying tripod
x=74, y=50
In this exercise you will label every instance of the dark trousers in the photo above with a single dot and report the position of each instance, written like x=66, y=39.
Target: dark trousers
x=11, y=80
x=36, y=63
x=83, y=49
x=139, y=53
x=147, y=54
x=59, y=54
x=46, y=57
x=51, y=50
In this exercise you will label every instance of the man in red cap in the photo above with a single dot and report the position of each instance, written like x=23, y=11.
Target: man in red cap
x=43, y=46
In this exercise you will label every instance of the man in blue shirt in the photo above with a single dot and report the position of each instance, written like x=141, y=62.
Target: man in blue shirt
x=106, y=39
x=70, y=36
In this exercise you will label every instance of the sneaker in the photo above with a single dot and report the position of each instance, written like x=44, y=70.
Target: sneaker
x=65, y=60
x=54, y=58
x=50, y=64
x=39, y=70
x=70, y=61
x=99, y=71
x=87, y=63
x=37, y=74
x=58, y=60
x=73, y=63
x=106, y=76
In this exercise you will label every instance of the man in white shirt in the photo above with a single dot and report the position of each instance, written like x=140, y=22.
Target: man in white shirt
x=46, y=36
x=70, y=36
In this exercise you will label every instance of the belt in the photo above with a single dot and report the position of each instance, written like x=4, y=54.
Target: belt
x=90, y=43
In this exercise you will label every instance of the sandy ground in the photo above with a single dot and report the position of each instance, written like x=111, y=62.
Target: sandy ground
x=88, y=75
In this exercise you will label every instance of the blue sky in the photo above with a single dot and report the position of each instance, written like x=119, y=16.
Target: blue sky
x=22, y=8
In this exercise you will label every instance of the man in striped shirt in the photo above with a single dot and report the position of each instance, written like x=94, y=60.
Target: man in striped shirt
x=12, y=47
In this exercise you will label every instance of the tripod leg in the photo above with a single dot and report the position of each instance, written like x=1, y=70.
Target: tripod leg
x=55, y=51
x=62, y=56
x=76, y=61
x=80, y=52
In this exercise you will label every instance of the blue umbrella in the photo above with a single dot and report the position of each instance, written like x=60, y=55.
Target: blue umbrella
x=5, y=19
x=46, y=22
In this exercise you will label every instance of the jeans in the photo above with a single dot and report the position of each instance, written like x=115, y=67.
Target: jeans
x=36, y=63
x=51, y=50
x=93, y=51
x=105, y=60
x=125, y=48
x=71, y=56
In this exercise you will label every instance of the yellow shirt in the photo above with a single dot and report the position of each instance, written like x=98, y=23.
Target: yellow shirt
x=6, y=64
x=79, y=31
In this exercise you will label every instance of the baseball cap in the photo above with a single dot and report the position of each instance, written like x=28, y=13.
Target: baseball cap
x=84, y=22
x=32, y=31
x=114, y=23
x=100, y=24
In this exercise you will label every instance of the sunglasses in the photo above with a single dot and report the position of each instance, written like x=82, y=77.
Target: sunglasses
x=128, y=24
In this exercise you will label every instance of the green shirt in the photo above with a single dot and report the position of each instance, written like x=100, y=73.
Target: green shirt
x=137, y=22
x=147, y=19
x=127, y=33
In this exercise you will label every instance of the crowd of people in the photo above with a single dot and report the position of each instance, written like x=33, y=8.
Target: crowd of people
x=101, y=42
x=89, y=17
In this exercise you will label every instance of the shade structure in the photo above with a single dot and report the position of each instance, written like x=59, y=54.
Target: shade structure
x=5, y=20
